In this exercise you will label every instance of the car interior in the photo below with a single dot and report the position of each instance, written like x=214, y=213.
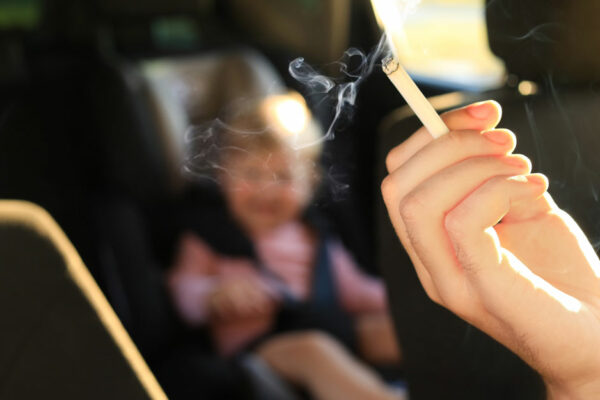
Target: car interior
x=97, y=103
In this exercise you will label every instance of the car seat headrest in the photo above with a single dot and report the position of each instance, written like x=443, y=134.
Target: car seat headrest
x=546, y=38
x=172, y=96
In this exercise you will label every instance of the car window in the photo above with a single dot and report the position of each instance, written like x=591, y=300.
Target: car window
x=446, y=45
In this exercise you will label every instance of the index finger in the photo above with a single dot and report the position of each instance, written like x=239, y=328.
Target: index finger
x=478, y=117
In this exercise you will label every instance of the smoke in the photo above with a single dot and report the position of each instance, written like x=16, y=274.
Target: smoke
x=205, y=152
x=354, y=67
x=210, y=158
x=543, y=33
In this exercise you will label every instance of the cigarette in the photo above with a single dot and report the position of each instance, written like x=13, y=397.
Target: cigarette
x=414, y=97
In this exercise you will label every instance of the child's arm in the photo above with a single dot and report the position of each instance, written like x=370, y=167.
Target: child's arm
x=205, y=285
x=496, y=250
x=192, y=279
x=358, y=292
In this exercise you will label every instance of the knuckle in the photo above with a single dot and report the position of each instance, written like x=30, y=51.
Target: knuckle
x=412, y=206
x=454, y=222
x=457, y=114
x=435, y=297
x=497, y=181
x=452, y=301
x=456, y=138
x=495, y=186
x=387, y=187
x=390, y=159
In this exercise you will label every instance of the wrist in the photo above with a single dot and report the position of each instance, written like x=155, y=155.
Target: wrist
x=564, y=391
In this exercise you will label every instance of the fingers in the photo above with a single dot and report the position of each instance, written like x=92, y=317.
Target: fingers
x=498, y=280
x=435, y=155
x=240, y=299
x=523, y=211
x=423, y=210
x=448, y=150
x=468, y=223
x=489, y=270
x=477, y=117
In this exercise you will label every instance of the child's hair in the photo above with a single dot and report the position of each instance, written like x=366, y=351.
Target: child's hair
x=274, y=122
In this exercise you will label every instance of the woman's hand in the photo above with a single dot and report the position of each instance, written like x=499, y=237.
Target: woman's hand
x=488, y=243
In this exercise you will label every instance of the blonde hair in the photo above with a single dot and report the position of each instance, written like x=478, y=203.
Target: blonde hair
x=275, y=122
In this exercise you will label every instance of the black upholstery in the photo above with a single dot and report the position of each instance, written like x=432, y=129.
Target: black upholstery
x=537, y=38
x=144, y=111
x=60, y=338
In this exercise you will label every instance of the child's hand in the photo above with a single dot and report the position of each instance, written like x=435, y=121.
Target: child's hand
x=532, y=280
x=241, y=298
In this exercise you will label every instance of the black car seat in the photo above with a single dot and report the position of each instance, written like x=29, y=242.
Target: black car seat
x=144, y=108
x=103, y=178
x=551, y=102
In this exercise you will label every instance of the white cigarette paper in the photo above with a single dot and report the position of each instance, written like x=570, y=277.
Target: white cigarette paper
x=414, y=97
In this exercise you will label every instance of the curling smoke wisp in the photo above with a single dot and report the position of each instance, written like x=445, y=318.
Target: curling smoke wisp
x=342, y=93
x=389, y=13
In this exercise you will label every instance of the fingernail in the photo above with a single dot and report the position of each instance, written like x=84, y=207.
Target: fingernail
x=517, y=161
x=480, y=110
x=496, y=136
x=538, y=179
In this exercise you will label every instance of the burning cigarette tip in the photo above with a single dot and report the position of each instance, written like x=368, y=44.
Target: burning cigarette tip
x=414, y=97
x=390, y=65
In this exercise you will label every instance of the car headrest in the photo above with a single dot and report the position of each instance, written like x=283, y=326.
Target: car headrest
x=167, y=97
x=546, y=38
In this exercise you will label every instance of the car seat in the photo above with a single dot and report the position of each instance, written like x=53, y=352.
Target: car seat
x=60, y=337
x=145, y=108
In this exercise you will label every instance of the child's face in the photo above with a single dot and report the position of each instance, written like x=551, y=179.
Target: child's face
x=266, y=189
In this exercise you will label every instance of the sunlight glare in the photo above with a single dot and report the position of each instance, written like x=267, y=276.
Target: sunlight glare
x=586, y=247
x=291, y=114
x=570, y=303
x=390, y=16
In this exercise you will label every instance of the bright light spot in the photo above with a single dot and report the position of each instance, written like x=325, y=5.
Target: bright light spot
x=584, y=244
x=442, y=42
x=528, y=88
x=290, y=120
x=568, y=302
x=390, y=15
x=292, y=115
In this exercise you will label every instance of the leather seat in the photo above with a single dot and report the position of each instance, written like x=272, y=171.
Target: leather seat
x=60, y=338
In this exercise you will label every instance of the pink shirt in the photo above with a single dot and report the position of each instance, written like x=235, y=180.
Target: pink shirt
x=288, y=252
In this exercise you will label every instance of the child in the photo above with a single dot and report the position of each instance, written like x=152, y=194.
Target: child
x=298, y=283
